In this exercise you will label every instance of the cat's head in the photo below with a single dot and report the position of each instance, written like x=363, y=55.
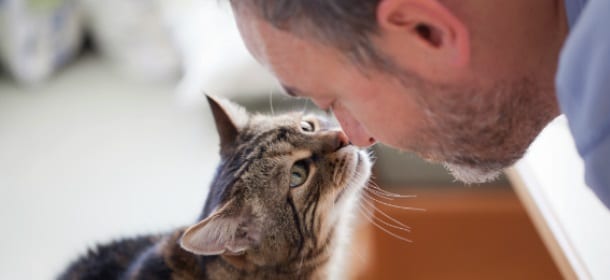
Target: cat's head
x=283, y=185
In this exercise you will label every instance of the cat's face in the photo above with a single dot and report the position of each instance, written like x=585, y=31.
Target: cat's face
x=283, y=186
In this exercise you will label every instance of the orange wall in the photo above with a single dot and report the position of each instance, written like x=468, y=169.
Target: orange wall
x=465, y=233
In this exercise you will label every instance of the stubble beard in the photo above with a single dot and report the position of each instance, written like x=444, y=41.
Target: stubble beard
x=477, y=133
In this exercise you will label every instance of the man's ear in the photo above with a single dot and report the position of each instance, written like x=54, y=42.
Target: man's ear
x=426, y=32
x=230, y=118
x=226, y=231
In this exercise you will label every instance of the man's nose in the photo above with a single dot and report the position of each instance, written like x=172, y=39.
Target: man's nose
x=356, y=133
x=361, y=139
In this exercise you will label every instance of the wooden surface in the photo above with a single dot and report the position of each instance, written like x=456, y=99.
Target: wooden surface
x=465, y=233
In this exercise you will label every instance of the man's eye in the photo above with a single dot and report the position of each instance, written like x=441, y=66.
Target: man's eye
x=299, y=173
x=307, y=126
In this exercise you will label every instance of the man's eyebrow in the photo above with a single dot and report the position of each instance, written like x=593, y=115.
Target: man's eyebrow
x=291, y=91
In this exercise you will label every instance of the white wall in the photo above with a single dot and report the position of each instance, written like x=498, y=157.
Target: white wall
x=91, y=156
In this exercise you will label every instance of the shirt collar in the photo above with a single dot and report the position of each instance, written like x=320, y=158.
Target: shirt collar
x=573, y=9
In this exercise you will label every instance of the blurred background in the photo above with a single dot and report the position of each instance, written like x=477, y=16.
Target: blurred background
x=104, y=133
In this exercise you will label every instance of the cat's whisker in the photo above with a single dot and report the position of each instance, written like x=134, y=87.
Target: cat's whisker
x=366, y=215
x=373, y=184
x=387, y=193
x=380, y=194
x=388, y=231
x=377, y=210
x=384, y=222
x=370, y=205
x=371, y=156
x=306, y=102
x=393, y=205
x=377, y=194
x=271, y=102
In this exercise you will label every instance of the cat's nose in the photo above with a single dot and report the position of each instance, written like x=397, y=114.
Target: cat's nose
x=342, y=139
x=336, y=140
x=332, y=140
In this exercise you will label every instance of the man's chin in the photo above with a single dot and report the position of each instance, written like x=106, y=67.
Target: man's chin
x=472, y=175
x=459, y=167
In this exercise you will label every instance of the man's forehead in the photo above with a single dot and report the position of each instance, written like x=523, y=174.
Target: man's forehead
x=281, y=52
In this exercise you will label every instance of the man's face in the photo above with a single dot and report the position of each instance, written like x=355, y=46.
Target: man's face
x=469, y=127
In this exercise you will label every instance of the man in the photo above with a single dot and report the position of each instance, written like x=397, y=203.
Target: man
x=469, y=83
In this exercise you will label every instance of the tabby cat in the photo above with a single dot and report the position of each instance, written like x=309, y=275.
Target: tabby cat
x=278, y=207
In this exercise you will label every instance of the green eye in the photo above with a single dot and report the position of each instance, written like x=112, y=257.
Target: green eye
x=298, y=173
x=307, y=126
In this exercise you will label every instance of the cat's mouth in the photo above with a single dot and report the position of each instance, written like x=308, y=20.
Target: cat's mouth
x=354, y=173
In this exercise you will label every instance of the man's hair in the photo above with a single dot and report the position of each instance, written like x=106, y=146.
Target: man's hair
x=347, y=25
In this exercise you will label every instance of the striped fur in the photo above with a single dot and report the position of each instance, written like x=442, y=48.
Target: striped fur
x=253, y=225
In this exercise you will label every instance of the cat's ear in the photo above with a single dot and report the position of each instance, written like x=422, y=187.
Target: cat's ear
x=223, y=232
x=230, y=118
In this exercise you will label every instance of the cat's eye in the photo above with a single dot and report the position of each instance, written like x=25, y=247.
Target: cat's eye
x=299, y=173
x=307, y=126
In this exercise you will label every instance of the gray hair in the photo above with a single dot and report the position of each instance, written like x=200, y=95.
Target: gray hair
x=347, y=25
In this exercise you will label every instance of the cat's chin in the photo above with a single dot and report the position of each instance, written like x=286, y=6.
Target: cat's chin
x=358, y=172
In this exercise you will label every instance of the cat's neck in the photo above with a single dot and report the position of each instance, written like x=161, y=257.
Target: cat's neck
x=311, y=264
x=233, y=267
